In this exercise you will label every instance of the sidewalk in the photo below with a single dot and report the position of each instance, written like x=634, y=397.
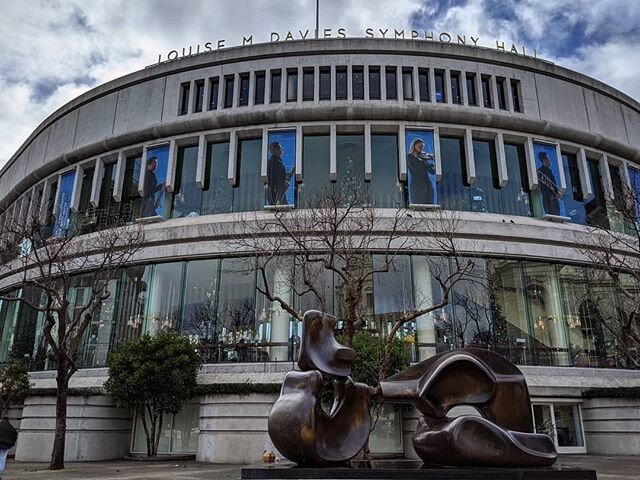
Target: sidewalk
x=607, y=467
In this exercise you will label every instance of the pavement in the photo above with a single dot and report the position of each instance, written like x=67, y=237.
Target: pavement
x=607, y=467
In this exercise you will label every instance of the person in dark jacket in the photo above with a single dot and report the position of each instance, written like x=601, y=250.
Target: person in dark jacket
x=150, y=189
x=549, y=189
x=277, y=176
x=422, y=169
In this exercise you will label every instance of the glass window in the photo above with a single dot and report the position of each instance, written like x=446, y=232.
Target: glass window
x=185, y=88
x=453, y=190
x=8, y=315
x=385, y=189
x=236, y=310
x=502, y=102
x=187, y=197
x=512, y=337
x=545, y=311
x=214, y=91
x=407, y=83
x=199, y=96
x=341, y=83
x=325, y=83
x=350, y=164
x=374, y=83
x=163, y=302
x=129, y=308
x=108, y=209
x=244, y=90
x=63, y=203
x=568, y=426
x=248, y=194
x=391, y=80
x=485, y=191
x=260, y=84
x=179, y=431
x=486, y=91
x=516, y=198
x=515, y=95
x=456, y=92
x=131, y=199
x=25, y=324
x=597, y=208
x=586, y=342
x=440, y=93
x=276, y=86
x=292, y=85
x=217, y=194
x=315, y=168
x=423, y=84
x=307, y=84
x=634, y=185
x=199, y=306
x=617, y=187
x=357, y=83
x=471, y=89
x=228, y=92
x=573, y=197
x=83, y=221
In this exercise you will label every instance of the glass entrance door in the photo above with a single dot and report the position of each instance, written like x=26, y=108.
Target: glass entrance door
x=563, y=423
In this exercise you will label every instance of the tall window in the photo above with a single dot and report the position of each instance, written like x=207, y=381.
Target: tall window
x=258, y=98
x=471, y=89
x=315, y=168
x=228, y=92
x=350, y=164
x=187, y=197
x=440, y=91
x=423, y=84
x=485, y=191
x=325, y=83
x=385, y=190
x=516, y=198
x=597, y=208
x=357, y=83
x=185, y=90
x=163, y=303
x=341, y=83
x=407, y=84
x=244, y=90
x=374, y=83
x=248, y=195
x=276, y=86
x=391, y=82
x=292, y=85
x=217, y=195
x=486, y=91
x=307, y=84
x=574, y=196
x=456, y=92
x=199, y=96
x=453, y=189
x=214, y=91
x=502, y=100
x=617, y=187
x=515, y=95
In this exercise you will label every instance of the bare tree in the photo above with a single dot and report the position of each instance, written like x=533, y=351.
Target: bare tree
x=614, y=257
x=50, y=266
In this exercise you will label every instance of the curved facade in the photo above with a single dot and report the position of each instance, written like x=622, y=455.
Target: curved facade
x=530, y=153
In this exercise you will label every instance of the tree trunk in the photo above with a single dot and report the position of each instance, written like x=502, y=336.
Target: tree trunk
x=57, y=454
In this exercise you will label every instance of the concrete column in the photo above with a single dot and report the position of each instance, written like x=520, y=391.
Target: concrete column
x=333, y=83
x=469, y=157
x=423, y=297
x=448, y=97
x=207, y=94
x=432, y=85
x=77, y=187
x=416, y=85
x=399, y=85
x=171, y=166
x=299, y=87
x=279, y=317
x=365, y=72
x=402, y=153
x=265, y=154
x=236, y=89
x=503, y=174
x=143, y=170
x=367, y=151
x=316, y=85
x=508, y=97
x=202, y=161
x=121, y=166
x=383, y=84
x=606, y=177
x=252, y=88
x=333, y=156
x=436, y=153
x=299, y=143
x=192, y=93
x=350, y=82
x=232, y=172
x=532, y=173
x=267, y=87
x=494, y=92
x=96, y=184
x=463, y=89
x=563, y=180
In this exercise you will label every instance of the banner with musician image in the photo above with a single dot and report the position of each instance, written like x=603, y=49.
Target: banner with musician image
x=548, y=170
x=421, y=168
x=281, y=165
x=155, y=177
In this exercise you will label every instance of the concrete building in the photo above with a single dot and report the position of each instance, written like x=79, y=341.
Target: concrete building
x=530, y=153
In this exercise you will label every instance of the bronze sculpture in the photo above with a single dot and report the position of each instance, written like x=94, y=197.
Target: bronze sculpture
x=501, y=437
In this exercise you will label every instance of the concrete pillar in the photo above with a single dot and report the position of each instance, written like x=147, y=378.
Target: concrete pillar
x=279, y=317
x=423, y=297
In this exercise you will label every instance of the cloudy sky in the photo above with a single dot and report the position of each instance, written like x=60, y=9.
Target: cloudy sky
x=54, y=50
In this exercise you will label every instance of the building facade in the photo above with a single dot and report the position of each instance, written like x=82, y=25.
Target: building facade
x=530, y=154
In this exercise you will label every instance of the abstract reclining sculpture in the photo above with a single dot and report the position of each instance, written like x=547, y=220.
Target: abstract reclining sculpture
x=501, y=437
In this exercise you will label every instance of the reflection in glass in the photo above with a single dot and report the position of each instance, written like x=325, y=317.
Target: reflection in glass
x=350, y=164
x=423, y=84
x=163, y=304
x=515, y=194
x=341, y=83
x=276, y=85
x=315, y=168
x=374, y=83
x=568, y=428
x=325, y=83
x=384, y=187
x=357, y=83
x=248, y=194
x=217, y=194
x=391, y=82
x=187, y=197
x=453, y=190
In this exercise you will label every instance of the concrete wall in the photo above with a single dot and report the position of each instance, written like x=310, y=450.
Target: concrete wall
x=233, y=428
x=612, y=426
x=96, y=430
